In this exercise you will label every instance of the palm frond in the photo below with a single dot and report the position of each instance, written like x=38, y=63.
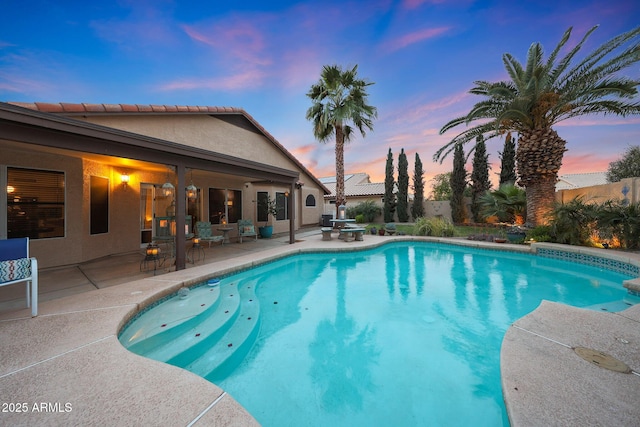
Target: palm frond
x=514, y=69
x=487, y=130
x=594, y=57
x=566, y=60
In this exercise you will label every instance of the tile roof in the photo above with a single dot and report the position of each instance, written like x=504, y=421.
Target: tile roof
x=70, y=109
x=83, y=108
x=355, y=185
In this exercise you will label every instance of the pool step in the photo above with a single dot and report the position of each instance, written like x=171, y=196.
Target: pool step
x=170, y=319
x=236, y=343
x=198, y=338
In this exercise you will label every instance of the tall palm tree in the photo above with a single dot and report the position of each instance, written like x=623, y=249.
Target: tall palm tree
x=339, y=99
x=542, y=93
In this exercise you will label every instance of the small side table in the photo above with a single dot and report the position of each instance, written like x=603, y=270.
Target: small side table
x=152, y=255
x=195, y=249
x=225, y=234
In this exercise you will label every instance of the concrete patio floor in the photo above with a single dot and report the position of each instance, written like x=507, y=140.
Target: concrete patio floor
x=67, y=367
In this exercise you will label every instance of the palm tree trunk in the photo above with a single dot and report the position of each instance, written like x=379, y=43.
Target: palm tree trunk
x=539, y=158
x=541, y=196
x=340, y=197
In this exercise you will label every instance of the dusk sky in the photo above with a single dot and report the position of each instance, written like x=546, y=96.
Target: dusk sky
x=263, y=56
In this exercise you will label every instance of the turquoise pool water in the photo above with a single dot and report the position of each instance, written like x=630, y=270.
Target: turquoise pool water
x=406, y=334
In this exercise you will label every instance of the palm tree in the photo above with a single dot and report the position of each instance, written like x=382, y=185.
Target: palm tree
x=542, y=93
x=338, y=99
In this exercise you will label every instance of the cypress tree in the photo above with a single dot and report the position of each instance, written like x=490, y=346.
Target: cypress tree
x=458, y=184
x=508, y=161
x=479, y=177
x=417, y=208
x=403, y=187
x=389, y=197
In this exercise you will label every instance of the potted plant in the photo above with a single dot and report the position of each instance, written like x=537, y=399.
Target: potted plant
x=501, y=237
x=270, y=206
x=390, y=228
x=516, y=234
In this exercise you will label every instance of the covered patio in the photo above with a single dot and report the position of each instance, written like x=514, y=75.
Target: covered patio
x=26, y=131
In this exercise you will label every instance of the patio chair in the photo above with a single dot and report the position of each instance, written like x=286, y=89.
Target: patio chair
x=16, y=266
x=246, y=229
x=203, y=229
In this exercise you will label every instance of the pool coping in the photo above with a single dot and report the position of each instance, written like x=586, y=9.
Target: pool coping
x=70, y=353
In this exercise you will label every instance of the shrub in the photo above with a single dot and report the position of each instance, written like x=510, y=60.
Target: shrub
x=541, y=233
x=437, y=227
x=508, y=204
x=368, y=209
x=359, y=218
x=573, y=222
x=619, y=221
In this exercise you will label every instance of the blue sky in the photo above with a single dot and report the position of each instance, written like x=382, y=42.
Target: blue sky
x=262, y=56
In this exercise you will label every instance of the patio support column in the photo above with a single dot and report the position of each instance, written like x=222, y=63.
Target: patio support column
x=181, y=240
x=292, y=212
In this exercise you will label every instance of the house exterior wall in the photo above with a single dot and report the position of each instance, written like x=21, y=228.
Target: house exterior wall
x=202, y=131
x=213, y=134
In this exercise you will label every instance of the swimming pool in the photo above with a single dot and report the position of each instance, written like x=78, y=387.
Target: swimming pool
x=405, y=334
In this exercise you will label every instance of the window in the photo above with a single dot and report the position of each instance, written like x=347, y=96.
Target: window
x=310, y=201
x=225, y=206
x=35, y=203
x=283, y=206
x=99, y=200
x=262, y=197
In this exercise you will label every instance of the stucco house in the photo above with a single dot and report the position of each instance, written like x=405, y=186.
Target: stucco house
x=89, y=180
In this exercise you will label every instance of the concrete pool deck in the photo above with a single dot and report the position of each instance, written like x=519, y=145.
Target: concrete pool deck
x=67, y=367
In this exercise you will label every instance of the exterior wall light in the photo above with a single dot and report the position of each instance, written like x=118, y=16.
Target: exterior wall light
x=124, y=178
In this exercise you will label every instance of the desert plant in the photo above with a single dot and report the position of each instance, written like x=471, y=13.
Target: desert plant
x=620, y=221
x=438, y=227
x=573, y=222
x=270, y=206
x=340, y=107
x=369, y=209
x=508, y=203
x=541, y=233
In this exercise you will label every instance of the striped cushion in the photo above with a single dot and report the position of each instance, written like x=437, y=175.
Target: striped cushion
x=15, y=269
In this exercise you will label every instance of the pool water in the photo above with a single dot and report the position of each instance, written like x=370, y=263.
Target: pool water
x=406, y=334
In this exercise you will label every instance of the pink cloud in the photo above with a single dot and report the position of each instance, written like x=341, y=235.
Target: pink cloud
x=585, y=163
x=414, y=37
x=241, y=81
x=238, y=39
x=599, y=121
